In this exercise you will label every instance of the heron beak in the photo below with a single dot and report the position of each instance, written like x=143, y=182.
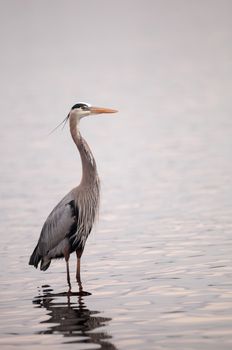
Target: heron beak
x=101, y=110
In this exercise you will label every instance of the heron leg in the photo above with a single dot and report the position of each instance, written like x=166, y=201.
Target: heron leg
x=78, y=272
x=68, y=275
x=66, y=256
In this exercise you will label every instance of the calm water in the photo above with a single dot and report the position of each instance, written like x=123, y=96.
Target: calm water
x=158, y=265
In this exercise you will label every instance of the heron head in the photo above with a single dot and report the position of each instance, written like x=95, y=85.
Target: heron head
x=81, y=110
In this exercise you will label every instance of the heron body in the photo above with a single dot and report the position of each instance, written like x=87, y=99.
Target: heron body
x=69, y=224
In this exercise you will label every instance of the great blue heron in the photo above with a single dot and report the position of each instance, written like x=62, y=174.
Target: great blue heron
x=69, y=224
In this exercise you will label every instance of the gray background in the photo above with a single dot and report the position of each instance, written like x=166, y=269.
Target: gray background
x=158, y=264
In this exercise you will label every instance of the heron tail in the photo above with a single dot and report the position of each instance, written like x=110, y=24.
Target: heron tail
x=35, y=257
x=45, y=263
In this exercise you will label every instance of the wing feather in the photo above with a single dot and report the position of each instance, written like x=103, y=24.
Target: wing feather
x=60, y=224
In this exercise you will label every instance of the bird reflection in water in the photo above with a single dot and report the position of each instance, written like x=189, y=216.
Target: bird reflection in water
x=70, y=317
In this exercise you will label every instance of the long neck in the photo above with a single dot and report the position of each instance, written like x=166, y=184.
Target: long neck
x=89, y=169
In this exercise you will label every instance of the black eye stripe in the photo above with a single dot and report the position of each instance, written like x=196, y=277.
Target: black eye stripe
x=80, y=105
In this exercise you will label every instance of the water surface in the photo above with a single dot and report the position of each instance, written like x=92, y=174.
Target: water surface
x=157, y=267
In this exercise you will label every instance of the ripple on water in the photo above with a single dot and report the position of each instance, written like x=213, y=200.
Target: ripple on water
x=159, y=264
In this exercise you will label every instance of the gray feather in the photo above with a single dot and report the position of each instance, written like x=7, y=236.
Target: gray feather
x=57, y=225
